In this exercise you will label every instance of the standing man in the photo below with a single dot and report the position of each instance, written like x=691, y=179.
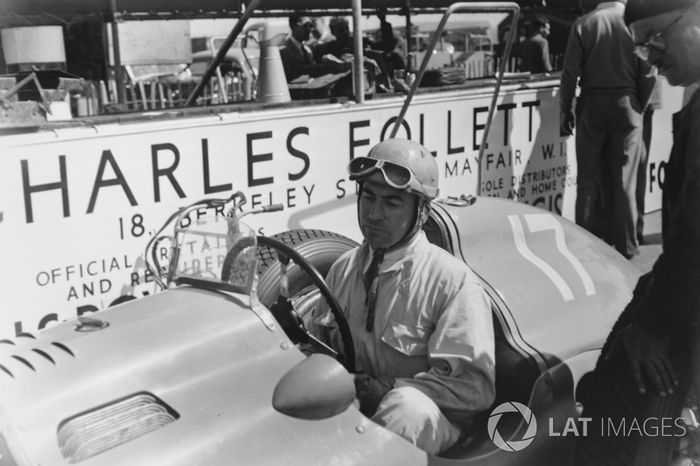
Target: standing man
x=420, y=320
x=297, y=57
x=655, y=341
x=667, y=35
x=535, y=48
x=615, y=87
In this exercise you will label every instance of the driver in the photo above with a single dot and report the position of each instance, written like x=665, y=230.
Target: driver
x=420, y=320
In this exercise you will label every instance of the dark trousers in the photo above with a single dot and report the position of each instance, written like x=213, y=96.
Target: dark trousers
x=608, y=149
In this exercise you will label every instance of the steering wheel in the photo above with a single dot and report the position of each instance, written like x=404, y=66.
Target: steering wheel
x=291, y=322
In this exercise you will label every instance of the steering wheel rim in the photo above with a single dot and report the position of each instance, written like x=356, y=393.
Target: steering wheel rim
x=318, y=280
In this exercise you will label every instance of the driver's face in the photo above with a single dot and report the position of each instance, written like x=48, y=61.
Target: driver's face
x=386, y=213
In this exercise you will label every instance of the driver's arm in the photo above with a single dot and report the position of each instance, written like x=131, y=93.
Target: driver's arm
x=322, y=324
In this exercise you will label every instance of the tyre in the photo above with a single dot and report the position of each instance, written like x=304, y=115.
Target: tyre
x=321, y=248
x=630, y=428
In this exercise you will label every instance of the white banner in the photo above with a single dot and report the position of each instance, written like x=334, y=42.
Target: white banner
x=79, y=204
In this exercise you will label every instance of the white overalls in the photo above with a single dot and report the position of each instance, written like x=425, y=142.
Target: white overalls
x=433, y=333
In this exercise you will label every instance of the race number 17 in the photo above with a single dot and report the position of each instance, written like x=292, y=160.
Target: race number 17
x=543, y=222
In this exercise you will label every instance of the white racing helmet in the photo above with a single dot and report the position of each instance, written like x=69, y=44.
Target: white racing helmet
x=404, y=164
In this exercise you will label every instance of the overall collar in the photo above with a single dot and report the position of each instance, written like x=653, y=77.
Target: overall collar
x=395, y=259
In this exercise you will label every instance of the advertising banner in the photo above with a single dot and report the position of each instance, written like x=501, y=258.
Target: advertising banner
x=79, y=204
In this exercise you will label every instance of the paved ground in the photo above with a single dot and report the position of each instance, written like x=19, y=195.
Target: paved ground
x=651, y=248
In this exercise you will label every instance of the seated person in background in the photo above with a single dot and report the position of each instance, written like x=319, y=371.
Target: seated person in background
x=297, y=57
x=420, y=320
x=338, y=52
x=340, y=45
x=316, y=36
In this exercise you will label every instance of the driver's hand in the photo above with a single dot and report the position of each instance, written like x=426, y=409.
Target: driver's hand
x=370, y=391
x=306, y=348
x=648, y=354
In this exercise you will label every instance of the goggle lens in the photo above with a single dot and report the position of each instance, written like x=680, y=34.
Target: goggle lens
x=361, y=165
x=397, y=174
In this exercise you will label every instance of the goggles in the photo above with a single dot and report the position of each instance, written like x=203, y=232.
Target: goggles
x=397, y=176
x=643, y=49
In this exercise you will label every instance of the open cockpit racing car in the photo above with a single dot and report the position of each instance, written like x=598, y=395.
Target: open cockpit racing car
x=214, y=369
x=210, y=370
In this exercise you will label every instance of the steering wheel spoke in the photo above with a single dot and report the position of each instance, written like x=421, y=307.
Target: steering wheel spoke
x=289, y=319
x=321, y=347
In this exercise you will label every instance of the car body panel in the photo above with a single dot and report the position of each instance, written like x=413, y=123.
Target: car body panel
x=205, y=355
x=216, y=358
x=563, y=287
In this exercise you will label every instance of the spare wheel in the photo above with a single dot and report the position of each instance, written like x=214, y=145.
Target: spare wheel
x=321, y=248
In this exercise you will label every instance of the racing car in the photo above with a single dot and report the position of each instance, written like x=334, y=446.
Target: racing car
x=213, y=370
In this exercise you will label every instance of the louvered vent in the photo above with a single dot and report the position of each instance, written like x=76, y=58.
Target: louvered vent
x=90, y=433
x=19, y=358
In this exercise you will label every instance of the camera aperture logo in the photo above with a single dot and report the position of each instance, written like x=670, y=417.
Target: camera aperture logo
x=495, y=417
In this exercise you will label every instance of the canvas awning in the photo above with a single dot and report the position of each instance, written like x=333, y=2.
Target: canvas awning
x=41, y=12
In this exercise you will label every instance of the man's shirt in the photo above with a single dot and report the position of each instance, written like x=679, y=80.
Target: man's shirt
x=600, y=51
